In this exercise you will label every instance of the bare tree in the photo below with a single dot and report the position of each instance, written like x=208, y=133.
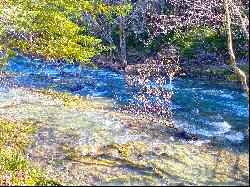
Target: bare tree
x=154, y=81
x=186, y=14
x=233, y=63
x=122, y=33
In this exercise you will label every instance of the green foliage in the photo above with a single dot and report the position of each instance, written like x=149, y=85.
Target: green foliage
x=133, y=42
x=202, y=37
x=46, y=28
x=14, y=165
x=122, y=10
x=156, y=45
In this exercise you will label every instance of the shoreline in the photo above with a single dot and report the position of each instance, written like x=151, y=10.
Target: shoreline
x=204, y=72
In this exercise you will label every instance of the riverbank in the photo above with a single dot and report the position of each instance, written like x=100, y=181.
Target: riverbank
x=216, y=71
x=79, y=141
x=16, y=168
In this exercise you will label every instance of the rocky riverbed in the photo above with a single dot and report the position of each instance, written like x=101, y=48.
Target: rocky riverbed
x=83, y=141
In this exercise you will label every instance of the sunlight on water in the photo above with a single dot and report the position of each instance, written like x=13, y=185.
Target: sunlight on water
x=85, y=141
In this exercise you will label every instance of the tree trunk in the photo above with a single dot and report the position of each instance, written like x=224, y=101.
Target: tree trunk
x=123, y=42
x=111, y=45
x=233, y=64
x=111, y=55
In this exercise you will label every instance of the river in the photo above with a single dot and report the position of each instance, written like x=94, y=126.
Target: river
x=115, y=151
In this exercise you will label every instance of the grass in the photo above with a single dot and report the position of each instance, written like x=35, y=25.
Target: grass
x=15, y=167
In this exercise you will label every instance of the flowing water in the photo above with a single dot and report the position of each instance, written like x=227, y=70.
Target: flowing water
x=97, y=145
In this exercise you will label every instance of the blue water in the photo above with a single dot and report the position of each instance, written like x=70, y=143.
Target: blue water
x=217, y=113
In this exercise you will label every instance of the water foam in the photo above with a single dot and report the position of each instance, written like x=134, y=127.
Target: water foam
x=227, y=96
x=219, y=129
x=237, y=137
